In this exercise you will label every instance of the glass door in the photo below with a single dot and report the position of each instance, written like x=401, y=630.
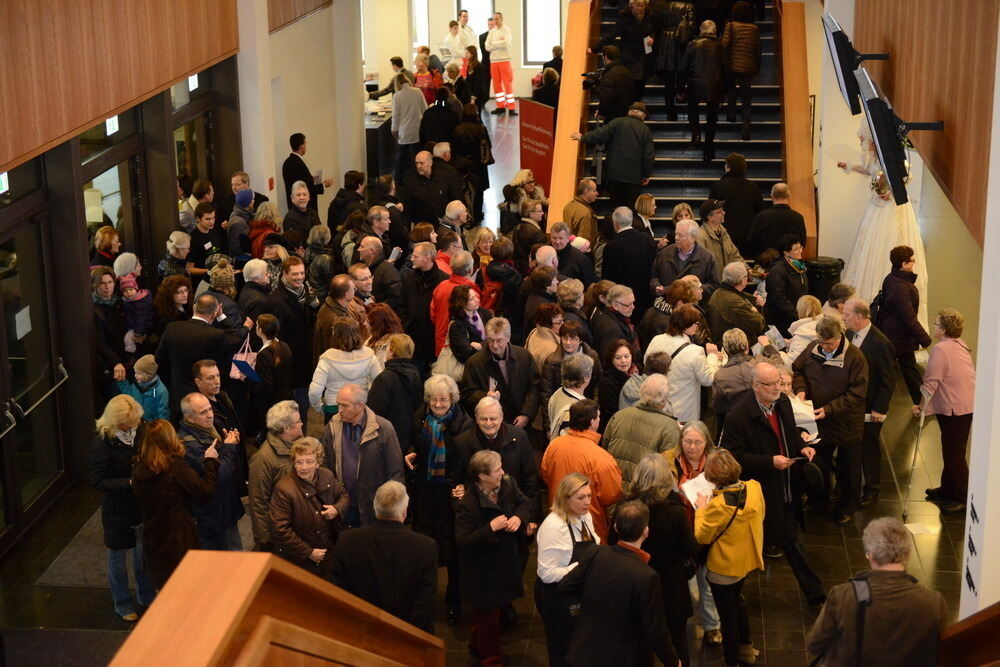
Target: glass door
x=30, y=451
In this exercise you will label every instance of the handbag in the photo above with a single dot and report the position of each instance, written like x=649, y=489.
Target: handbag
x=448, y=364
x=246, y=355
x=485, y=152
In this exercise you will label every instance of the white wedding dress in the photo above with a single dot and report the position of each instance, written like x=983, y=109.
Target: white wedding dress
x=884, y=226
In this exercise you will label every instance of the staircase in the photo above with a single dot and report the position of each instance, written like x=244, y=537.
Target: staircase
x=679, y=174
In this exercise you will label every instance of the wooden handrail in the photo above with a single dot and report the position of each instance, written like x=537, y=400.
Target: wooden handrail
x=224, y=608
x=582, y=21
x=972, y=641
x=796, y=123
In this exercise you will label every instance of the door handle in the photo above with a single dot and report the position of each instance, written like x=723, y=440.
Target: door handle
x=21, y=412
x=11, y=422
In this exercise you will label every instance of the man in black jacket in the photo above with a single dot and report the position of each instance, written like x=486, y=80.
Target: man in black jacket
x=294, y=169
x=628, y=259
x=417, y=290
x=761, y=434
x=294, y=304
x=301, y=216
x=615, y=90
x=630, y=158
x=428, y=190
x=771, y=224
x=386, y=287
x=685, y=258
x=703, y=73
x=610, y=323
x=880, y=355
x=742, y=200
x=572, y=262
x=185, y=342
x=387, y=564
x=502, y=371
x=349, y=198
x=622, y=620
x=484, y=55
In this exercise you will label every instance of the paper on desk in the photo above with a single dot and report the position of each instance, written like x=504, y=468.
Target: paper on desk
x=804, y=417
x=699, y=486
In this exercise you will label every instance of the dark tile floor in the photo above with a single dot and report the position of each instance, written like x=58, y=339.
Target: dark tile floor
x=779, y=615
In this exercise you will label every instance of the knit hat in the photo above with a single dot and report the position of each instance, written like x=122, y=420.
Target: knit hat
x=222, y=275
x=146, y=365
x=125, y=264
x=276, y=239
x=126, y=282
x=709, y=206
x=243, y=198
x=639, y=106
x=580, y=243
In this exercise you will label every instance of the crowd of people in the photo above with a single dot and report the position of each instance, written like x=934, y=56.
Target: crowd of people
x=557, y=385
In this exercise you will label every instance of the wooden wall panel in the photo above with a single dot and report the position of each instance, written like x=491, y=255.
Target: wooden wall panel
x=69, y=65
x=942, y=59
x=282, y=12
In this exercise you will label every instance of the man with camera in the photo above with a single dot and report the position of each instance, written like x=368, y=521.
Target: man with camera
x=612, y=84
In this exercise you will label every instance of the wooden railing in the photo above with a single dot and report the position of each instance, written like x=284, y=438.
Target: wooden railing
x=796, y=116
x=973, y=641
x=227, y=608
x=582, y=24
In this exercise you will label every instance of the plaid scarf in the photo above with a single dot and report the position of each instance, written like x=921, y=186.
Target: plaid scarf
x=433, y=433
x=304, y=295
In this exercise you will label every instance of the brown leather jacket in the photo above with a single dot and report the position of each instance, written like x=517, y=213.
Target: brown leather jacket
x=297, y=525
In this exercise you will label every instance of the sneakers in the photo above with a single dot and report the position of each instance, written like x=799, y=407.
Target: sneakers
x=713, y=637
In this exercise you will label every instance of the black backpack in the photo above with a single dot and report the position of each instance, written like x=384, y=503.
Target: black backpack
x=876, y=308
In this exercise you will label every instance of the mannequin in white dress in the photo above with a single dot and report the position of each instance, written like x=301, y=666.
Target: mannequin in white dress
x=884, y=226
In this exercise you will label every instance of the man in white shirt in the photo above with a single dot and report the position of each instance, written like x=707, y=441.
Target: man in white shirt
x=467, y=34
x=498, y=43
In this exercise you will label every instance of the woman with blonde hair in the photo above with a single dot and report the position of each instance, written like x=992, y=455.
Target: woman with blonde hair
x=671, y=545
x=480, y=244
x=565, y=535
x=267, y=220
x=645, y=208
x=119, y=430
x=165, y=486
x=731, y=523
x=803, y=330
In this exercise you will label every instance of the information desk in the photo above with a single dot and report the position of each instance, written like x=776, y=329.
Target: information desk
x=380, y=146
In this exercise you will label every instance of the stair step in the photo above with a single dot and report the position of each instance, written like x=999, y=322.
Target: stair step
x=724, y=130
x=755, y=148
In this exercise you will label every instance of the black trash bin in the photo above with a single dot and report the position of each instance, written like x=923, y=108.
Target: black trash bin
x=824, y=273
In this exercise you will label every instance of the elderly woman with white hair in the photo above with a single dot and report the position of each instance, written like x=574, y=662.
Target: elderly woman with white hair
x=175, y=261
x=436, y=425
x=530, y=190
x=903, y=621
x=306, y=509
x=119, y=432
x=284, y=427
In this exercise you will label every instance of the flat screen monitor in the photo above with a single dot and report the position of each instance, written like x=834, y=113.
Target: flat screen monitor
x=888, y=132
x=845, y=61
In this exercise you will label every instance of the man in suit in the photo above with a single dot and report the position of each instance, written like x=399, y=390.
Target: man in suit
x=294, y=169
x=761, y=434
x=387, y=564
x=880, y=354
x=622, y=620
x=502, y=371
x=187, y=341
x=775, y=222
x=628, y=259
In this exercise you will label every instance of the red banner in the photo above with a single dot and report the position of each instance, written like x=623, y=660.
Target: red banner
x=537, y=139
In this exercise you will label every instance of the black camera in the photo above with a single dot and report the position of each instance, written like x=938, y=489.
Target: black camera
x=590, y=79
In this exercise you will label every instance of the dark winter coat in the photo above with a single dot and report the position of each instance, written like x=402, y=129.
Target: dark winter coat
x=437, y=124
x=461, y=335
x=704, y=69
x=491, y=566
x=785, y=286
x=900, y=301
x=579, y=265
x=743, y=43
x=608, y=326
x=139, y=314
x=839, y=386
x=426, y=198
x=386, y=285
x=391, y=567
x=296, y=329
x=743, y=202
x=276, y=378
x=731, y=309
x=342, y=205
x=881, y=358
x=578, y=316
x=748, y=435
x=111, y=463
x=168, y=527
x=675, y=27
x=297, y=523
x=467, y=142
x=109, y=321
x=532, y=301
x=516, y=456
x=518, y=397
x=630, y=156
x=633, y=33
x=229, y=309
x=394, y=395
x=670, y=543
x=770, y=225
x=628, y=260
x=187, y=341
x=225, y=507
x=615, y=91
x=417, y=291
x=525, y=235
x=668, y=267
x=608, y=391
x=320, y=269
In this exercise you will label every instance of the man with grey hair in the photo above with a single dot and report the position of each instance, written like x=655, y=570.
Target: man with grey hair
x=833, y=374
x=684, y=257
x=294, y=169
x=643, y=428
x=301, y=215
x=614, y=321
x=386, y=285
x=415, y=302
x=576, y=370
x=455, y=216
x=502, y=371
x=546, y=255
x=272, y=460
x=880, y=355
x=628, y=260
x=571, y=262
x=387, y=564
x=775, y=222
x=882, y=616
x=760, y=432
x=461, y=269
x=362, y=449
x=730, y=307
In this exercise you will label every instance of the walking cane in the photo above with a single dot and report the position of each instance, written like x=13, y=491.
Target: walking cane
x=913, y=465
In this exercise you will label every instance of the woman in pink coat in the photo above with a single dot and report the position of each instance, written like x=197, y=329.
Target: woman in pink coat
x=949, y=390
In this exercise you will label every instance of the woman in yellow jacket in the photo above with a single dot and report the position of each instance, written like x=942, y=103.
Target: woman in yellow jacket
x=731, y=522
